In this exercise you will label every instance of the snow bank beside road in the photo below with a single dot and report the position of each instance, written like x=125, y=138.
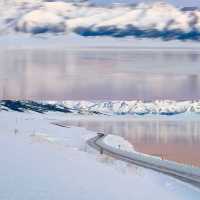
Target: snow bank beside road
x=118, y=142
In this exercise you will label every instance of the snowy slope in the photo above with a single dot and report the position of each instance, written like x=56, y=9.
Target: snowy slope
x=153, y=20
x=42, y=161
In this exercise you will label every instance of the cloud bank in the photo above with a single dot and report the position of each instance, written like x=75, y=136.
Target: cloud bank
x=153, y=20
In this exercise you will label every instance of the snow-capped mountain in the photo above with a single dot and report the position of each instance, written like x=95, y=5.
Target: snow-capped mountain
x=164, y=107
x=161, y=107
x=153, y=20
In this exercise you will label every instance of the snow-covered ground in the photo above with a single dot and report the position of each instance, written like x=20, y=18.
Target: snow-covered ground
x=40, y=160
x=118, y=142
x=153, y=20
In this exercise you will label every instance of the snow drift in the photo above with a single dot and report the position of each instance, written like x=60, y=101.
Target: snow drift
x=153, y=20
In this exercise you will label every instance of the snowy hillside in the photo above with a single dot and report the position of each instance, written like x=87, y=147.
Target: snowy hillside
x=164, y=107
x=153, y=20
x=42, y=161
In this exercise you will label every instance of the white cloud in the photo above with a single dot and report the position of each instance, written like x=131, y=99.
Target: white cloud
x=144, y=20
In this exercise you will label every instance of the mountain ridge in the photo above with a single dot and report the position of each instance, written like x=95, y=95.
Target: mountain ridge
x=135, y=107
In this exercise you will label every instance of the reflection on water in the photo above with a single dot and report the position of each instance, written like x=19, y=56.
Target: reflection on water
x=173, y=140
x=99, y=74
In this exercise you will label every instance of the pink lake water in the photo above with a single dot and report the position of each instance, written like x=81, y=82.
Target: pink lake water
x=177, y=140
x=94, y=74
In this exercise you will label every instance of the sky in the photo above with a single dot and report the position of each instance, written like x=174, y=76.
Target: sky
x=176, y=2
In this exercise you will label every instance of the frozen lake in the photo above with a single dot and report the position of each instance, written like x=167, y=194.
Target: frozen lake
x=171, y=139
x=100, y=73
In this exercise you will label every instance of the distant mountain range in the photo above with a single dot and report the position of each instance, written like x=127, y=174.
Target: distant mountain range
x=159, y=107
x=153, y=20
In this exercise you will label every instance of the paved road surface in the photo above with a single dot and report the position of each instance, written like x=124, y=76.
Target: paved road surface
x=170, y=168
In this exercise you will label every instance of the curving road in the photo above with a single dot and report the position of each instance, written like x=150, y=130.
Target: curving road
x=186, y=174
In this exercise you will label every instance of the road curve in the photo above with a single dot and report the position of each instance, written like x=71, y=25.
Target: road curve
x=186, y=174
